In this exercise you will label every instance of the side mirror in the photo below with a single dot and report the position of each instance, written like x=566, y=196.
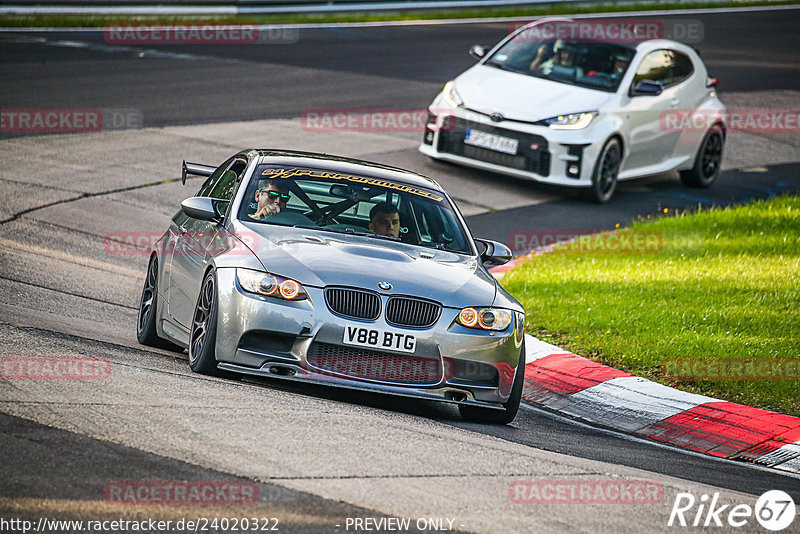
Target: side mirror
x=202, y=208
x=495, y=253
x=646, y=88
x=478, y=51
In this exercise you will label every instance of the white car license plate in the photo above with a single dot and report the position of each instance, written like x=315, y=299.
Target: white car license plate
x=498, y=143
x=379, y=339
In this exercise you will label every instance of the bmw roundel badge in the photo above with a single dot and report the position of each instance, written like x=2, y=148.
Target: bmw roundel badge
x=386, y=286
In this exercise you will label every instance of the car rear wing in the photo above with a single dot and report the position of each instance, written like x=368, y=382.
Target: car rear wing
x=195, y=169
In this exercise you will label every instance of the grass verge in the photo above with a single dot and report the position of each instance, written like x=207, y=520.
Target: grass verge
x=93, y=21
x=721, y=285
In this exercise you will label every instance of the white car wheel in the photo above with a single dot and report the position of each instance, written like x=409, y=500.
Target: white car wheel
x=604, y=175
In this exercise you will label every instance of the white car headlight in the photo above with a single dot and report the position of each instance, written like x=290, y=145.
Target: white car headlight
x=485, y=318
x=573, y=121
x=270, y=285
x=451, y=96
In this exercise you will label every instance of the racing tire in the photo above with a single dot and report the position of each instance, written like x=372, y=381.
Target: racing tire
x=203, y=336
x=146, y=332
x=477, y=414
x=708, y=160
x=604, y=174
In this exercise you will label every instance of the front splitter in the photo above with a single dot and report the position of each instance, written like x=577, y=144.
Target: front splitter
x=295, y=373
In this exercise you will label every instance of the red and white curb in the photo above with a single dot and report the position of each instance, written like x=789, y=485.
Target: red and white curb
x=570, y=384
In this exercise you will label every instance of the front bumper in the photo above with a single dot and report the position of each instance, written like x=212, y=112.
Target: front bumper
x=303, y=341
x=559, y=157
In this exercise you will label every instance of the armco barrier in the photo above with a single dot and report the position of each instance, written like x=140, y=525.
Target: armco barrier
x=252, y=7
x=289, y=6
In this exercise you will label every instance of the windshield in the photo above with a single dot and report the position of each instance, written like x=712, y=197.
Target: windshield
x=592, y=65
x=360, y=205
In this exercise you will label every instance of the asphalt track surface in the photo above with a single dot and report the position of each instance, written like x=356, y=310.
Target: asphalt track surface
x=133, y=428
x=374, y=67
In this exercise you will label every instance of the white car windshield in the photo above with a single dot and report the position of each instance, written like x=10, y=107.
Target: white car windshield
x=360, y=205
x=592, y=65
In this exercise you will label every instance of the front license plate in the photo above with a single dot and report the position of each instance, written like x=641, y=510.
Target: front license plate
x=494, y=142
x=379, y=339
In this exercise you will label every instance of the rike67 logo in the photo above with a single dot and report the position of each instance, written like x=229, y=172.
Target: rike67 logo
x=774, y=510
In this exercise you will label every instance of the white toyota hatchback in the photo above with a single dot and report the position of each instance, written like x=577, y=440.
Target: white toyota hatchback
x=581, y=112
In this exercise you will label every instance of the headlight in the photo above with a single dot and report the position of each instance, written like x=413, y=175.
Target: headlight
x=573, y=121
x=451, y=96
x=485, y=318
x=270, y=285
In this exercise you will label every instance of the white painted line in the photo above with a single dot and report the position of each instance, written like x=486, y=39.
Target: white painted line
x=70, y=44
x=536, y=349
x=791, y=466
x=787, y=458
x=138, y=52
x=628, y=403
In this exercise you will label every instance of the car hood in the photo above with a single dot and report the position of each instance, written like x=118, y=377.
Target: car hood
x=524, y=98
x=318, y=258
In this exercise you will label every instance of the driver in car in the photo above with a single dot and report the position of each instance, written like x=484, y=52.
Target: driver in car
x=562, y=63
x=270, y=198
x=384, y=219
x=620, y=64
x=544, y=52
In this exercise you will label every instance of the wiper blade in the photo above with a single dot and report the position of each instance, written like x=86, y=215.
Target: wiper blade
x=347, y=231
x=502, y=66
x=378, y=236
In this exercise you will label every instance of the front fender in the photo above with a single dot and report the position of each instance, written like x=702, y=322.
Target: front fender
x=236, y=251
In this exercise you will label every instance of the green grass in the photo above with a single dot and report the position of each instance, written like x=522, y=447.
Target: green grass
x=725, y=284
x=90, y=21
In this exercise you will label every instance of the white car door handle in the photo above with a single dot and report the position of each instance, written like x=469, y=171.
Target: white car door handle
x=674, y=102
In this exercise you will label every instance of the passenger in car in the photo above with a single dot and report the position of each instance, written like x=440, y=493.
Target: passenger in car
x=620, y=64
x=384, y=219
x=609, y=77
x=560, y=63
x=270, y=198
x=563, y=63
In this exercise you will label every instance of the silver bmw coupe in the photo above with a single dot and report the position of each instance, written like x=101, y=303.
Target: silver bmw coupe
x=323, y=269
